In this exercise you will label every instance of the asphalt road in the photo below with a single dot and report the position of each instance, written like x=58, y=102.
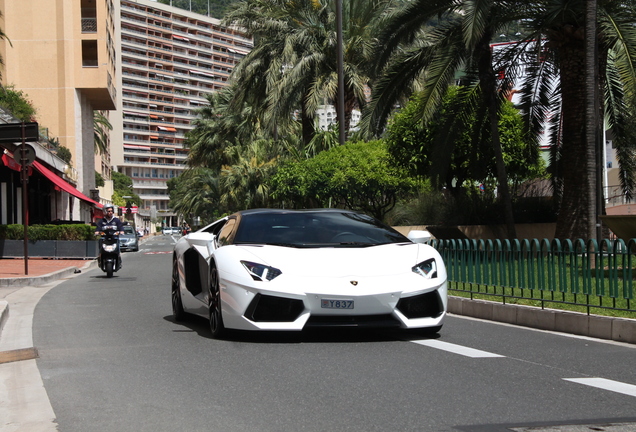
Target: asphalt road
x=112, y=359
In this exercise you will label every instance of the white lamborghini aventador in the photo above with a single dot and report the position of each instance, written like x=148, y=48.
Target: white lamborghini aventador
x=272, y=269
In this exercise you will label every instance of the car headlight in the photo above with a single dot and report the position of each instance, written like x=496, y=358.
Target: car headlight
x=260, y=272
x=110, y=247
x=427, y=269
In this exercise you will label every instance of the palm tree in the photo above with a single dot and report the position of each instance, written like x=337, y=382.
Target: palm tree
x=231, y=154
x=553, y=50
x=561, y=25
x=293, y=67
x=101, y=128
x=5, y=37
x=411, y=53
x=195, y=192
x=219, y=126
x=243, y=184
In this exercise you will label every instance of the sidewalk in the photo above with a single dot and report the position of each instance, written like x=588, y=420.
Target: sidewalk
x=41, y=271
x=13, y=268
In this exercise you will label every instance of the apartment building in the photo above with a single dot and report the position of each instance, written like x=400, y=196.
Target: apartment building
x=61, y=55
x=169, y=60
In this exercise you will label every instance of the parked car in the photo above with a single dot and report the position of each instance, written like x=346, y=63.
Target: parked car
x=170, y=230
x=273, y=269
x=129, y=241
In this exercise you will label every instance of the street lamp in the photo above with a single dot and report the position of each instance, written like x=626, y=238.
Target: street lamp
x=339, y=52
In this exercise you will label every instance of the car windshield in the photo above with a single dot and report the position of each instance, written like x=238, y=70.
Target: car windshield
x=315, y=229
x=128, y=230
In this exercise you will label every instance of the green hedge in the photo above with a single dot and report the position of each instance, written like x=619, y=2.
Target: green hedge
x=48, y=232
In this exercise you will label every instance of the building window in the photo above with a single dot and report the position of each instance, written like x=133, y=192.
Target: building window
x=89, y=53
x=89, y=16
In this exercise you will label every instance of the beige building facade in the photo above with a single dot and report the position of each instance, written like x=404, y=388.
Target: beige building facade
x=62, y=56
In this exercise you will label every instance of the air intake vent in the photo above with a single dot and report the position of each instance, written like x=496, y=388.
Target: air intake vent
x=266, y=308
x=427, y=305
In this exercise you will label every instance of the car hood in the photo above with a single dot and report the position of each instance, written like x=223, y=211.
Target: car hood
x=341, y=261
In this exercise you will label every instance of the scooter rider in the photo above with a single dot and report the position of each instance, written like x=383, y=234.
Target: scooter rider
x=109, y=227
x=109, y=219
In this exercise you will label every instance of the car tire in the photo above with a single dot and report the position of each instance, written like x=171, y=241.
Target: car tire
x=216, y=315
x=177, y=304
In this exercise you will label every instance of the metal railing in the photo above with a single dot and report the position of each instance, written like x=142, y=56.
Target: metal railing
x=588, y=276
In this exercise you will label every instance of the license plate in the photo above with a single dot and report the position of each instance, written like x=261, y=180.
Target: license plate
x=336, y=304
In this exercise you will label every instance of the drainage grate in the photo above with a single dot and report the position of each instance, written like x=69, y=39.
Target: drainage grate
x=18, y=355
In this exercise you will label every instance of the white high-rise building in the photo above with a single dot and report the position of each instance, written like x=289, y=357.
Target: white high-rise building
x=169, y=59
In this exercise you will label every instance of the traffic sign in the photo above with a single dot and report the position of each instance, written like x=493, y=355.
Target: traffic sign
x=15, y=132
x=29, y=154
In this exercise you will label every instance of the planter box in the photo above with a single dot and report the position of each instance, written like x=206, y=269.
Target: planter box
x=40, y=248
x=11, y=248
x=50, y=248
x=92, y=248
x=71, y=249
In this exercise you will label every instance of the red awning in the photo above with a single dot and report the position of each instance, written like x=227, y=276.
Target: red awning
x=62, y=184
x=9, y=162
x=136, y=147
x=164, y=128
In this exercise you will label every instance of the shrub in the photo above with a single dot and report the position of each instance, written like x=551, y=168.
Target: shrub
x=48, y=232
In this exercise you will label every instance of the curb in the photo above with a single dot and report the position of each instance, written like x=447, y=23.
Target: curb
x=35, y=281
x=594, y=326
x=44, y=279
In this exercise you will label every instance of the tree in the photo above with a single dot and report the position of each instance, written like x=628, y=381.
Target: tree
x=293, y=67
x=409, y=52
x=443, y=150
x=562, y=26
x=99, y=180
x=243, y=184
x=413, y=52
x=16, y=102
x=218, y=128
x=123, y=186
x=3, y=36
x=195, y=192
x=64, y=154
x=357, y=176
x=101, y=127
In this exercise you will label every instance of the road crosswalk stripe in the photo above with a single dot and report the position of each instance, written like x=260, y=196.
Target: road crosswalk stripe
x=605, y=384
x=457, y=349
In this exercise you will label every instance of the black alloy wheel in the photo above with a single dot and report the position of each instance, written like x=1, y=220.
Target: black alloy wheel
x=216, y=317
x=177, y=304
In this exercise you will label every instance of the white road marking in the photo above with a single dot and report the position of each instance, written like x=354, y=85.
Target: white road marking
x=457, y=349
x=605, y=384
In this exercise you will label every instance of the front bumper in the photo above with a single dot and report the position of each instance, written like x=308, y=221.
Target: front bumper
x=249, y=308
x=128, y=246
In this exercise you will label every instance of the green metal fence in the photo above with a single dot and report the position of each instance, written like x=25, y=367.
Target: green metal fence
x=588, y=276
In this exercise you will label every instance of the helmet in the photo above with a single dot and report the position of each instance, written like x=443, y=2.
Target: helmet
x=109, y=206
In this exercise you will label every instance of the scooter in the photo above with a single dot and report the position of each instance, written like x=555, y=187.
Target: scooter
x=109, y=258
